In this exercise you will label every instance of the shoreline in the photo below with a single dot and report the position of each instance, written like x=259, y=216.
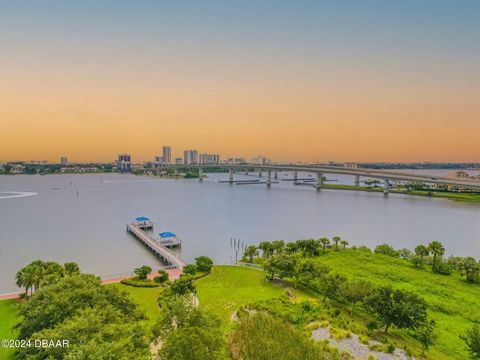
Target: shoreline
x=172, y=275
x=463, y=197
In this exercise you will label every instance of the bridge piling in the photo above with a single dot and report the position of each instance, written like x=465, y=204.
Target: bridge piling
x=269, y=178
x=319, y=181
x=386, y=187
x=357, y=180
x=230, y=175
x=200, y=174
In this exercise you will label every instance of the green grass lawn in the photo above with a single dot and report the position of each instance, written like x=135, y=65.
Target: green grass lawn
x=8, y=318
x=453, y=303
x=145, y=298
x=228, y=288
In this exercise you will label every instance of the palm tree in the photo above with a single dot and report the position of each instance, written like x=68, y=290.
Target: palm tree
x=266, y=247
x=437, y=249
x=324, y=241
x=277, y=246
x=336, y=240
x=37, y=276
x=251, y=252
x=344, y=244
x=25, y=278
x=421, y=251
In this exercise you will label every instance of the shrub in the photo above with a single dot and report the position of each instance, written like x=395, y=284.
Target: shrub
x=263, y=337
x=137, y=282
x=190, y=269
x=204, y=263
x=386, y=249
x=162, y=277
x=443, y=268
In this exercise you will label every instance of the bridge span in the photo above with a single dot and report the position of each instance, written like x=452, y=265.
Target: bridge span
x=320, y=170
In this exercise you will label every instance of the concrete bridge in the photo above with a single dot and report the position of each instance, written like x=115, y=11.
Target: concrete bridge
x=320, y=170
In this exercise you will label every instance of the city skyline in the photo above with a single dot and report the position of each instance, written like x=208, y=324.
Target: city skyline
x=294, y=81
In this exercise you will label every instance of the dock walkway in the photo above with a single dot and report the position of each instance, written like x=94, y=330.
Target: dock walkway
x=159, y=250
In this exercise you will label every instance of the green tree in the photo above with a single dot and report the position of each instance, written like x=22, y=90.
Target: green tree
x=310, y=273
x=71, y=296
x=25, y=278
x=278, y=246
x=189, y=333
x=355, y=292
x=142, y=272
x=99, y=332
x=204, y=263
x=336, y=240
x=472, y=340
x=250, y=252
x=400, y=308
x=330, y=286
x=162, y=276
x=190, y=269
x=386, y=249
x=71, y=268
x=470, y=268
x=344, y=244
x=324, y=241
x=424, y=334
x=437, y=250
x=309, y=247
x=421, y=251
x=291, y=248
x=184, y=285
x=281, y=264
x=266, y=247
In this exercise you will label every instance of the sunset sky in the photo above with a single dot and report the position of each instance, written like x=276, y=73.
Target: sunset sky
x=291, y=80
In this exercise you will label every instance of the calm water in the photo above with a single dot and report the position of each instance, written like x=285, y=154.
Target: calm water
x=56, y=224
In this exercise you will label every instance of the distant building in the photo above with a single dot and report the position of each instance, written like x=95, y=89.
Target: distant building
x=259, y=160
x=350, y=165
x=190, y=157
x=178, y=161
x=165, y=159
x=167, y=155
x=209, y=159
x=63, y=160
x=235, y=161
x=124, y=163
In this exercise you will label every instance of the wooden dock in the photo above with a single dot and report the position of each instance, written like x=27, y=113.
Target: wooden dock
x=158, y=249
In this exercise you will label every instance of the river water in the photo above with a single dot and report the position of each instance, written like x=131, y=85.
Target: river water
x=52, y=222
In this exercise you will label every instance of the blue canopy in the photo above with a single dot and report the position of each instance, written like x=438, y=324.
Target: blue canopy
x=167, y=234
x=142, y=218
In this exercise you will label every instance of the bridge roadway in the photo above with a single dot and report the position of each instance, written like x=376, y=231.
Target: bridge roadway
x=158, y=250
x=384, y=175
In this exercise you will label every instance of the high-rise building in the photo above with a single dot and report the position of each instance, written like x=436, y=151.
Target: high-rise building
x=209, y=159
x=124, y=163
x=63, y=160
x=190, y=157
x=167, y=155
